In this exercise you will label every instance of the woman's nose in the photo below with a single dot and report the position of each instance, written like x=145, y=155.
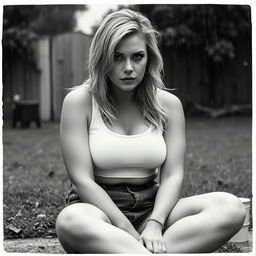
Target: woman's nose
x=128, y=68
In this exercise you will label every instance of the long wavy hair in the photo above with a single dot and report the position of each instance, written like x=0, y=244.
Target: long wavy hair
x=112, y=30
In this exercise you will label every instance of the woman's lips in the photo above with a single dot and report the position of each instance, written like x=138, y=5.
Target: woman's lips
x=127, y=78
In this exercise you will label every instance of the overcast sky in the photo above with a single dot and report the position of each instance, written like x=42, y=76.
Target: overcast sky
x=92, y=16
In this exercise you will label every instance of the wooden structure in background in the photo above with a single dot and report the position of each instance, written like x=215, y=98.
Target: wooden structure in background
x=197, y=80
x=25, y=112
x=22, y=78
x=43, y=63
x=69, y=66
x=62, y=63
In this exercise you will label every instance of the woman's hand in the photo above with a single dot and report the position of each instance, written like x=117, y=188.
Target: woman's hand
x=152, y=238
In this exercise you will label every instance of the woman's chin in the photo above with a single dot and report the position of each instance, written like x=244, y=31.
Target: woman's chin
x=127, y=87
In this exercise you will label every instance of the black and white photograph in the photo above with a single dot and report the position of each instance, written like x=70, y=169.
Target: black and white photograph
x=127, y=128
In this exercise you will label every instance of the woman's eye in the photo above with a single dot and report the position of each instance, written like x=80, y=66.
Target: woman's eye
x=138, y=56
x=117, y=57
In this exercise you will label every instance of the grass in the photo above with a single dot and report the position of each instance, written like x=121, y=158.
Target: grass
x=219, y=158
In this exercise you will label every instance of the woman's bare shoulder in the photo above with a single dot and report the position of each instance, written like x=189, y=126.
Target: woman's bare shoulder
x=174, y=109
x=78, y=98
x=169, y=100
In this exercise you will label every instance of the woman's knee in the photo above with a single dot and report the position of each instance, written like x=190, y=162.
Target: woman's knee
x=78, y=220
x=230, y=211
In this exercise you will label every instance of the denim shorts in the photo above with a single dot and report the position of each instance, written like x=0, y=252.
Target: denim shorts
x=135, y=201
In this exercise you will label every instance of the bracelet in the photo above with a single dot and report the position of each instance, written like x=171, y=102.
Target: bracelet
x=157, y=221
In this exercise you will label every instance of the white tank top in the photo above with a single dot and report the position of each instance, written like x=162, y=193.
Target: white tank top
x=117, y=156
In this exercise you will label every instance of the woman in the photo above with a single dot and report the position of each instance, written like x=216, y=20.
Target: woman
x=118, y=131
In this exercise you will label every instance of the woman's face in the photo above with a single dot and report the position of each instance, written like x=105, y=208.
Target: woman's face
x=130, y=61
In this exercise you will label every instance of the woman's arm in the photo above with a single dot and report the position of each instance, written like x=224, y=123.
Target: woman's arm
x=74, y=140
x=171, y=174
x=172, y=171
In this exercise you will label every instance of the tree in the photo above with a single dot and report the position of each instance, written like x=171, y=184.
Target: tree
x=214, y=28
x=23, y=23
x=54, y=19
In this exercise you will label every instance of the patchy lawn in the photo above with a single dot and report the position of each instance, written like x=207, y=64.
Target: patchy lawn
x=34, y=178
x=219, y=156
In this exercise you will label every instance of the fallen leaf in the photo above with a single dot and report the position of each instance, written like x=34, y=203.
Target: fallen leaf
x=41, y=216
x=51, y=232
x=14, y=229
x=49, y=236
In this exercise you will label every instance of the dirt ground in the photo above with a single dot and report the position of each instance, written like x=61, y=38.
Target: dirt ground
x=52, y=245
x=34, y=245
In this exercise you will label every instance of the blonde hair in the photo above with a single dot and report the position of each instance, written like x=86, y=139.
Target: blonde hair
x=112, y=30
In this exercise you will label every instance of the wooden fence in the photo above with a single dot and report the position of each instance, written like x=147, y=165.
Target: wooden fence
x=69, y=65
x=22, y=78
x=62, y=63
x=197, y=80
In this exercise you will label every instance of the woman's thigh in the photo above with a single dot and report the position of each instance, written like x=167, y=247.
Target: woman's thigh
x=212, y=203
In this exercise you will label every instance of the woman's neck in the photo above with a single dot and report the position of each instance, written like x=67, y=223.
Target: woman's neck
x=124, y=98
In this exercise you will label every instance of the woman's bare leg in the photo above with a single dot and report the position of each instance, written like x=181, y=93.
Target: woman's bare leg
x=83, y=228
x=203, y=223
